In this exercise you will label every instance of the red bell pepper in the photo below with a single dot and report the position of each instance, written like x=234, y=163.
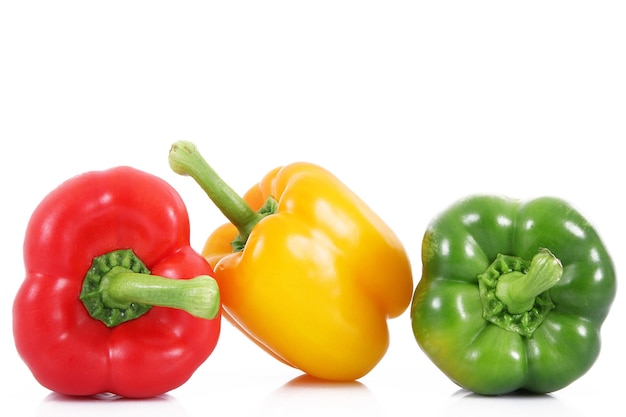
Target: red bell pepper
x=89, y=317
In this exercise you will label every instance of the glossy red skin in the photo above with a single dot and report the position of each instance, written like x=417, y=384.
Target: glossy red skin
x=68, y=351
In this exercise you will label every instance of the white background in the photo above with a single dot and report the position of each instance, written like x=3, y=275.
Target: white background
x=412, y=104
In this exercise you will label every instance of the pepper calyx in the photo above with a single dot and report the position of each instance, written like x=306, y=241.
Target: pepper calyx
x=118, y=287
x=270, y=207
x=515, y=292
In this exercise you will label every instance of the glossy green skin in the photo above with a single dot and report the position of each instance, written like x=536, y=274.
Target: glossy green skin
x=447, y=311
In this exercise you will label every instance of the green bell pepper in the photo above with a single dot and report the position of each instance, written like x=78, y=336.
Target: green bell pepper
x=512, y=295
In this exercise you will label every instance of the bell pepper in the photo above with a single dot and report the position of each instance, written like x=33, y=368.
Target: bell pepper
x=512, y=294
x=306, y=269
x=114, y=298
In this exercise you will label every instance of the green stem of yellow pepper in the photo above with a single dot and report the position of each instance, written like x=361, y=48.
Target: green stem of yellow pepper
x=518, y=290
x=185, y=159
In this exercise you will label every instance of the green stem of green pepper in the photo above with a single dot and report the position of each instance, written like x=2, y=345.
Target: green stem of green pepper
x=518, y=290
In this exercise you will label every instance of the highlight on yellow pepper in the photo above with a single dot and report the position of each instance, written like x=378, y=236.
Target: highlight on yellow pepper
x=305, y=268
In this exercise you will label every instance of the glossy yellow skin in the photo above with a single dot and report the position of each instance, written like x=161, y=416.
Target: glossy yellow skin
x=318, y=279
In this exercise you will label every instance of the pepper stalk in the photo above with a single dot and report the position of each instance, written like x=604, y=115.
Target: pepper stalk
x=185, y=159
x=515, y=292
x=518, y=290
x=119, y=287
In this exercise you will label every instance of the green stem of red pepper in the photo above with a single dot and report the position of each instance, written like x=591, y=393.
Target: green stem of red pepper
x=118, y=288
x=185, y=159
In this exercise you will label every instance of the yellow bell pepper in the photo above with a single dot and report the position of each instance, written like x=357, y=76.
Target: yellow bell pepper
x=305, y=268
